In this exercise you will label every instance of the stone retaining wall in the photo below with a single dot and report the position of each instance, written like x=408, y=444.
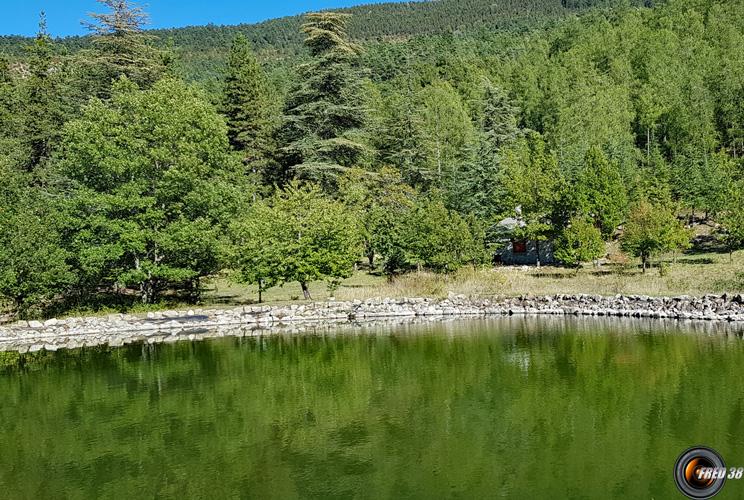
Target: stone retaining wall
x=168, y=326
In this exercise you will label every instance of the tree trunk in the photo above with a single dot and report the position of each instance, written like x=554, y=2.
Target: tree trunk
x=305, y=290
x=537, y=252
x=371, y=258
x=147, y=291
x=193, y=289
x=439, y=162
x=644, y=260
x=260, y=291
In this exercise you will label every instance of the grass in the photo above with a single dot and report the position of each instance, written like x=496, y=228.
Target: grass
x=698, y=272
x=690, y=274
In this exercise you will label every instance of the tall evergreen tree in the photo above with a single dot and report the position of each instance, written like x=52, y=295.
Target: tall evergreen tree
x=399, y=141
x=34, y=268
x=11, y=119
x=247, y=105
x=121, y=47
x=476, y=190
x=324, y=113
x=42, y=103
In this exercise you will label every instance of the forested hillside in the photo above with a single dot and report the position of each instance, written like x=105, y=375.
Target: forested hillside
x=203, y=50
x=126, y=180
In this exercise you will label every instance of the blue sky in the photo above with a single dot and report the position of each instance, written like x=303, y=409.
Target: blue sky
x=20, y=17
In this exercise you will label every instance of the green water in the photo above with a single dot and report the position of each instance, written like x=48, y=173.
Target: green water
x=505, y=409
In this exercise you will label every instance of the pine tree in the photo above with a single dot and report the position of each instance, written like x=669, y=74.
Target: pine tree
x=477, y=189
x=247, y=105
x=11, y=119
x=121, y=47
x=399, y=140
x=324, y=113
x=42, y=105
x=499, y=124
x=4, y=70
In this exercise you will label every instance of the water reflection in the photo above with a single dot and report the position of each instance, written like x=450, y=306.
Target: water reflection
x=512, y=408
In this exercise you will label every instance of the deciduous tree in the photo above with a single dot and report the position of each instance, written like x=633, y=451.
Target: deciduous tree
x=732, y=218
x=652, y=230
x=297, y=235
x=439, y=239
x=153, y=180
x=579, y=242
x=600, y=192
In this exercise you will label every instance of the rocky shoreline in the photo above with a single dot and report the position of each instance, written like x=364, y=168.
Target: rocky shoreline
x=198, y=324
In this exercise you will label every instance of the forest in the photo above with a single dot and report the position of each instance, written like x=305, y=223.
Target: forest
x=202, y=51
x=136, y=163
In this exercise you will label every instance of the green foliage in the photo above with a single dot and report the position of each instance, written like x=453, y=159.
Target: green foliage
x=122, y=47
x=203, y=49
x=399, y=135
x=531, y=178
x=652, y=230
x=467, y=111
x=732, y=219
x=533, y=186
x=43, y=101
x=382, y=202
x=439, y=239
x=476, y=189
x=298, y=235
x=247, y=105
x=579, y=242
x=601, y=193
x=34, y=267
x=153, y=180
x=324, y=113
x=446, y=130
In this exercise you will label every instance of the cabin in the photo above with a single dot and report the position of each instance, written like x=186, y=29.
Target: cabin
x=515, y=251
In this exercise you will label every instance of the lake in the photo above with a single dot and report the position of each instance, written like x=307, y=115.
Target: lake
x=507, y=408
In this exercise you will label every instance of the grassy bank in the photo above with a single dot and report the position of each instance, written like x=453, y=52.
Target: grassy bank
x=696, y=273
x=693, y=274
